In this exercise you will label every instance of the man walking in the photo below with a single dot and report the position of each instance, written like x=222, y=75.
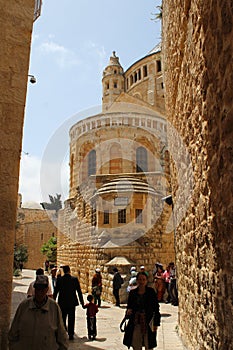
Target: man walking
x=31, y=289
x=67, y=288
x=117, y=282
x=38, y=323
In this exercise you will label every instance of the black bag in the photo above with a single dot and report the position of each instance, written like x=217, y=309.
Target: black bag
x=127, y=326
x=124, y=323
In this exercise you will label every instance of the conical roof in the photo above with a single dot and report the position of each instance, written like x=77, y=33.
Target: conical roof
x=155, y=49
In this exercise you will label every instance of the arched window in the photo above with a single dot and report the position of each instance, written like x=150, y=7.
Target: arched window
x=141, y=160
x=92, y=163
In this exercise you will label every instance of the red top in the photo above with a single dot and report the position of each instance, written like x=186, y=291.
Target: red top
x=97, y=280
x=92, y=309
x=166, y=276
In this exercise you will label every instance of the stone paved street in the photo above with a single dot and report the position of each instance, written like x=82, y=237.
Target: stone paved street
x=109, y=336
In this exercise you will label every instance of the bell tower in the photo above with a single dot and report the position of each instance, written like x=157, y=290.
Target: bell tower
x=113, y=82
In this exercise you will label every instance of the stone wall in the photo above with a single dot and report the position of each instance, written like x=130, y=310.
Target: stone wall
x=16, y=19
x=198, y=68
x=77, y=248
x=35, y=227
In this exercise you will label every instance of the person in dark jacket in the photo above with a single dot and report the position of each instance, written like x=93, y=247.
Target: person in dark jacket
x=117, y=282
x=144, y=316
x=67, y=288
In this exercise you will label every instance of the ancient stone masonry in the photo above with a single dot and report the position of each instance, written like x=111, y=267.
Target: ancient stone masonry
x=119, y=173
x=15, y=37
x=34, y=227
x=198, y=74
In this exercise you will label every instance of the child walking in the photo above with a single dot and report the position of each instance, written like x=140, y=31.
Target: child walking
x=92, y=310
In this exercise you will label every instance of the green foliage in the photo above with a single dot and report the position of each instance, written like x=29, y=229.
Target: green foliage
x=55, y=203
x=49, y=249
x=20, y=255
x=17, y=273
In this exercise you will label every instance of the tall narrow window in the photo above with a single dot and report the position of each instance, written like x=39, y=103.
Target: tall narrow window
x=159, y=67
x=138, y=215
x=139, y=74
x=84, y=208
x=106, y=217
x=92, y=163
x=71, y=170
x=144, y=71
x=93, y=214
x=122, y=216
x=141, y=160
x=131, y=79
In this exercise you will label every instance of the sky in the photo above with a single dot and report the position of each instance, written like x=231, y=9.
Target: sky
x=72, y=41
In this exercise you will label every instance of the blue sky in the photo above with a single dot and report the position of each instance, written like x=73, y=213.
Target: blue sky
x=71, y=45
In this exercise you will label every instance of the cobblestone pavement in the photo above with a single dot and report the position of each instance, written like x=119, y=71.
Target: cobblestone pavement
x=109, y=336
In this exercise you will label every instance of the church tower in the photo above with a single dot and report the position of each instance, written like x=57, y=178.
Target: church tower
x=113, y=82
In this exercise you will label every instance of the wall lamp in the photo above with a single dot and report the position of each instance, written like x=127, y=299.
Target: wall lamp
x=32, y=78
x=168, y=200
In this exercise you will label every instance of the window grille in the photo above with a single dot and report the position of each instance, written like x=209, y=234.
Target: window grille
x=122, y=216
x=106, y=217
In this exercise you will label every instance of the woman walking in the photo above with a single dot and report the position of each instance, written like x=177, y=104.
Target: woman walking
x=143, y=311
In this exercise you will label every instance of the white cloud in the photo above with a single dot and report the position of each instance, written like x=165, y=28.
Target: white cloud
x=63, y=56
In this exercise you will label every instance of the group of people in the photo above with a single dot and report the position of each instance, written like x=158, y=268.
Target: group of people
x=42, y=323
x=97, y=286
x=142, y=307
x=55, y=319
x=165, y=281
x=133, y=274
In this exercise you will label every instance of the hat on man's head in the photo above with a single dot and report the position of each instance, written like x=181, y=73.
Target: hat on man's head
x=42, y=281
x=97, y=270
x=133, y=268
x=142, y=267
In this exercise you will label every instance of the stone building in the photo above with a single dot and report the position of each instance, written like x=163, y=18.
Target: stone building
x=198, y=56
x=197, y=49
x=119, y=173
x=16, y=28
x=34, y=227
